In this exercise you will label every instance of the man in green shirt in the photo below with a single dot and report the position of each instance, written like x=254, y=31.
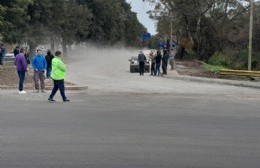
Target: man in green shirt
x=58, y=75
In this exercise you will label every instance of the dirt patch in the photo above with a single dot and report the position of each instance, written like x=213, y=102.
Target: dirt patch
x=194, y=68
x=9, y=78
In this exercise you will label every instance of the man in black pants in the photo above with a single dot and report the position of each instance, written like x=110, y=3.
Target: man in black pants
x=58, y=75
x=165, y=61
x=141, y=60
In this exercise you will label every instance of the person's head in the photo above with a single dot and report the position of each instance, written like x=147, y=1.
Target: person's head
x=39, y=51
x=17, y=47
x=22, y=50
x=2, y=45
x=58, y=54
x=49, y=52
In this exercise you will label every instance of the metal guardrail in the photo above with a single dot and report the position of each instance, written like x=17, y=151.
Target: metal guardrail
x=240, y=73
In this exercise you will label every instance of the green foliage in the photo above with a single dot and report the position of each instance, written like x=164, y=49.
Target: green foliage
x=213, y=68
x=209, y=25
x=218, y=59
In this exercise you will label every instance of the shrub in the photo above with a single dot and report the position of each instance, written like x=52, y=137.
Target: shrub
x=219, y=59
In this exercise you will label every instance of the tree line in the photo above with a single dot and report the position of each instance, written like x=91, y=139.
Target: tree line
x=68, y=22
x=209, y=28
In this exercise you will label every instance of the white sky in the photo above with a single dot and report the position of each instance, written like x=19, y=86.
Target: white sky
x=141, y=8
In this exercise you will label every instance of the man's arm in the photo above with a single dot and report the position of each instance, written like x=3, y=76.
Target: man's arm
x=62, y=66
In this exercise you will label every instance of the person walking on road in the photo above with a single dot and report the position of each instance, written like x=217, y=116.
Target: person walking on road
x=48, y=58
x=21, y=67
x=152, y=58
x=158, y=60
x=141, y=60
x=58, y=76
x=39, y=66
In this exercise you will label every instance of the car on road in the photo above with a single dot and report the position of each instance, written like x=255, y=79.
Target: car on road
x=9, y=57
x=134, y=65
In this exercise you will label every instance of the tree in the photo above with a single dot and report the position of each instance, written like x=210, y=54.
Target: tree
x=204, y=22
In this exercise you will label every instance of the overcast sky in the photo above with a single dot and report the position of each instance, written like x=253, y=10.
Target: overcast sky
x=141, y=8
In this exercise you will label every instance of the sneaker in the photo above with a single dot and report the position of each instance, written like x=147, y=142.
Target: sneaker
x=43, y=91
x=22, y=92
x=51, y=99
x=66, y=100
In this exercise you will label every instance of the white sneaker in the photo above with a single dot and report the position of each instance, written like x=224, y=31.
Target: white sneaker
x=22, y=92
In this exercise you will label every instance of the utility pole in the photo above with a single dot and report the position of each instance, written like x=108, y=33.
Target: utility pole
x=250, y=36
x=171, y=34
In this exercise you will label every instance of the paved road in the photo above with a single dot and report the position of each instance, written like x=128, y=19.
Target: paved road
x=97, y=130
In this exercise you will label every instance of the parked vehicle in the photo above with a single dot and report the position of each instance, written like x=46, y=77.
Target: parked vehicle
x=134, y=65
x=9, y=57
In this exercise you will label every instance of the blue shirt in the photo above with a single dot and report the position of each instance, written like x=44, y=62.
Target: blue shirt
x=39, y=63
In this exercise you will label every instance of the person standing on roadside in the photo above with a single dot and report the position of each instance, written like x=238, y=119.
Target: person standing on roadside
x=21, y=67
x=171, y=58
x=39, y=66
x=2, y=54
x=165, y=61
x=158, y=60
x=141, y=60
x=48, y=58
x=27, y=57
x=16, y=51
x=152, y=58
x=58, y=76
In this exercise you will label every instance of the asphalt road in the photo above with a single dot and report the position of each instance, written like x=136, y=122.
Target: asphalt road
x=123, y=130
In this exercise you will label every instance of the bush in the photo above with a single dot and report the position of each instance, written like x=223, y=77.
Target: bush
x=218, y=59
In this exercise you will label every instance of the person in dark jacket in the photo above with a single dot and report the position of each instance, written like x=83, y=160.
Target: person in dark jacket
x=16, y=51
x=141, y=60
x=165, y=61
x=2, y=54
x=27, y=57
x=48, y=58
x=158, y=60
x=21, y=67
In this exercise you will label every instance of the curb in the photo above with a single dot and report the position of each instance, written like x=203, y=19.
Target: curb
x=255, y=85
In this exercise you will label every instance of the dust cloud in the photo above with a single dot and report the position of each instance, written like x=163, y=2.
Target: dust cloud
x=106, y=70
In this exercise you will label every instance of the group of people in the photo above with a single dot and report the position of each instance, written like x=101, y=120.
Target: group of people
x=48, y=66
x=159, y=59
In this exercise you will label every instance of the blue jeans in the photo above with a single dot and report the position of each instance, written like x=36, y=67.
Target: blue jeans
x=21, y=75
x=58, y=84
x=48, y=73
x=157, y=69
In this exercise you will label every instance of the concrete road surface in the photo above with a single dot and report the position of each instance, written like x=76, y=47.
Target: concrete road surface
x=128, y=121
